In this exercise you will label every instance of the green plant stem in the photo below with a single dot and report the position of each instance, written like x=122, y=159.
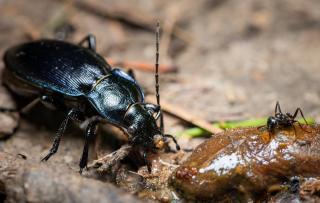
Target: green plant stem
x=198, y=132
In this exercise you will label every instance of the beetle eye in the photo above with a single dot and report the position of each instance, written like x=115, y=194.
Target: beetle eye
x=132, y=129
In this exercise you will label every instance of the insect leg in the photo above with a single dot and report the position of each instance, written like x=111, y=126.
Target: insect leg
x=302, y=127
x=270, y=135
x=261, y=126
x=29, y=106
x=131, y=73
x=277, y=108
x=72, y=114
x=90, y=132
x=22, y=110
x=44, y=99
x=9, y=110
x=90, y=40
x=147, y=162
x=295, y=131
x=174, y=140
x=294, y=184
x=296, y=113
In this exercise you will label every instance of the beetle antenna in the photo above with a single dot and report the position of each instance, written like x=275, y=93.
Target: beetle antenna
x=157, y=75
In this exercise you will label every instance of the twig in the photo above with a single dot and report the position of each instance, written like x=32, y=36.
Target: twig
x=126, y=15
x=142, y=66
x=111, y=159
x=180, y=113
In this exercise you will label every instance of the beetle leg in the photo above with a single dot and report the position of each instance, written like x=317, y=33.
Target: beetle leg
x=147, y=162
x=50, y=103
x=91, y=40
x=72, y=114
x=131, y=73
x=4, y=110
x=174, y=140
x=29, y=106
x=90, y=132
x=44, y=99
x=22, y=110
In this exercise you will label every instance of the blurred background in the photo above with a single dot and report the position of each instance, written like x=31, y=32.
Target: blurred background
x=224, y=59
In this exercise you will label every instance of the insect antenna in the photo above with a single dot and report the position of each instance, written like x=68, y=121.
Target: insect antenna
x=157, y=88
x=157, y=76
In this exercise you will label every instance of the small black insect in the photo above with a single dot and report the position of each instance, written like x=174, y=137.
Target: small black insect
x=281, y=120
x=77, y=80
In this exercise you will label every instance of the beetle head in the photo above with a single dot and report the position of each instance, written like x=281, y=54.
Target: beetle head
x=142, y=126
x=143, y=129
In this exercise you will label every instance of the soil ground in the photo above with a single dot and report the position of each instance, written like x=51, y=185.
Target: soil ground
x=234, y=59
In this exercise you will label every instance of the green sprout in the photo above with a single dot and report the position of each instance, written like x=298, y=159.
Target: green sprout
x=199, y=132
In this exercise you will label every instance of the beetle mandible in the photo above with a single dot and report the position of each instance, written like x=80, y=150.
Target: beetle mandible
x=76, y=79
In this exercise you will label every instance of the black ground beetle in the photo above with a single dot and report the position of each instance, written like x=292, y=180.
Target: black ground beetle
x=77, y=80
x=281, y=120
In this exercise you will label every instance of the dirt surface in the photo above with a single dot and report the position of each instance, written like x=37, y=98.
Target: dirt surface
x=22, y=177
x=235, y=59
